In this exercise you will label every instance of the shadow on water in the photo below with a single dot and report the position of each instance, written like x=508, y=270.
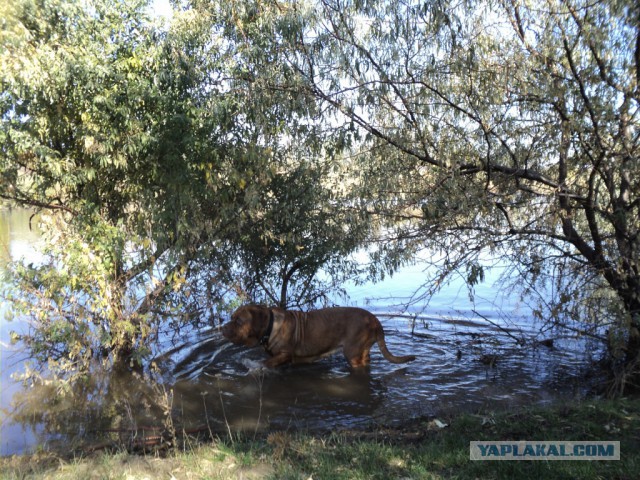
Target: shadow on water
x=204, y=386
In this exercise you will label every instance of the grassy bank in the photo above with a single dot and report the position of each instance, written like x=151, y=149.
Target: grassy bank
x=423, y=450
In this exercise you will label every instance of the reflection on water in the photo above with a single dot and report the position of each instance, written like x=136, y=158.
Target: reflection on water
x=199, y=384
x=448, y=375
x=18, y=237
x=205, y=386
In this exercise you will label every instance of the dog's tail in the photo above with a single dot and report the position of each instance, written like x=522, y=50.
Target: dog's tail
x=382, y=345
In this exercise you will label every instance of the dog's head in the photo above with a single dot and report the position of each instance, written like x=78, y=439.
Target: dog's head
x=247, y=325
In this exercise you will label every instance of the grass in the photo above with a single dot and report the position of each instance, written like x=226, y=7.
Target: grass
x=419, y=451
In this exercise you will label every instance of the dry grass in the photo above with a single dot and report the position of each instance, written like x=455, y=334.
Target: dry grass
x=417, y=451
x=203, y=462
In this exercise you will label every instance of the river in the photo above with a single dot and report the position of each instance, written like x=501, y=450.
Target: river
x=477, y=355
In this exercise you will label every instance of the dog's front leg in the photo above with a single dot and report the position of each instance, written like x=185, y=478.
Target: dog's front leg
x=278, y=359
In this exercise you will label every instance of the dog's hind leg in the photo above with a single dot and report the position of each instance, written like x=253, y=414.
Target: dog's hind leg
x=358, y=356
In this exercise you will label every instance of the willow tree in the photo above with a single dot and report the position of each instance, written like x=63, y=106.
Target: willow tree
x=101, y=112
x=295, y=245
x=506, y=126
x=154, y=161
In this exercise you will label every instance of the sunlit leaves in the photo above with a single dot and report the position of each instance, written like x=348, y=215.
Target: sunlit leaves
x=97, y=122
x=175, y=154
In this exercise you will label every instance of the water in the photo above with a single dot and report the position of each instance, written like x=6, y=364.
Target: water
x=17, y=240
x=201, y=385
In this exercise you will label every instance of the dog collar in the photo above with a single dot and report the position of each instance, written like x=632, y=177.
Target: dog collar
x=264, y=341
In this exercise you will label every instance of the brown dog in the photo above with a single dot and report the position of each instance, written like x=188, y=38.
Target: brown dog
x=299, y=337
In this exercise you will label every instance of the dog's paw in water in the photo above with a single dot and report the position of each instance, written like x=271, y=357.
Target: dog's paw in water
x=254, y=366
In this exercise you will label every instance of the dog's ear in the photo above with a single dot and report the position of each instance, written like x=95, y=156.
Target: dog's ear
x=260, y=320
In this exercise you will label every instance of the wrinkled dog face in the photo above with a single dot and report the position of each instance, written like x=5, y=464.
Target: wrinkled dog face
x=244, y=328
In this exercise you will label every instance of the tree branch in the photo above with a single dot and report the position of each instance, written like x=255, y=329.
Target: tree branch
x=38, y=204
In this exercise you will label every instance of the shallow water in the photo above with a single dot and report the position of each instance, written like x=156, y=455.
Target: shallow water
x=460, y=366
x=201, y=383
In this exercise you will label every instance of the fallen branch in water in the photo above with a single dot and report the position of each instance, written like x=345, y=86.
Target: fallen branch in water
x=519, y=341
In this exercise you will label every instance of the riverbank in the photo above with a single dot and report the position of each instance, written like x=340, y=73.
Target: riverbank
x=426, y=449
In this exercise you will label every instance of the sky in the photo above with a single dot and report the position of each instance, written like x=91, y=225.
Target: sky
x=161, y=8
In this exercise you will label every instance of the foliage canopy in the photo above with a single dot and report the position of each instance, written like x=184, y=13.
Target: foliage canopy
x=503, y=126
x=163, y=171
x=274, y=138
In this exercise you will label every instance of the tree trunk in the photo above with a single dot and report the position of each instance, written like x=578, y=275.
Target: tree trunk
x=633, y=340
x=625, y=366
x=286, y=278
